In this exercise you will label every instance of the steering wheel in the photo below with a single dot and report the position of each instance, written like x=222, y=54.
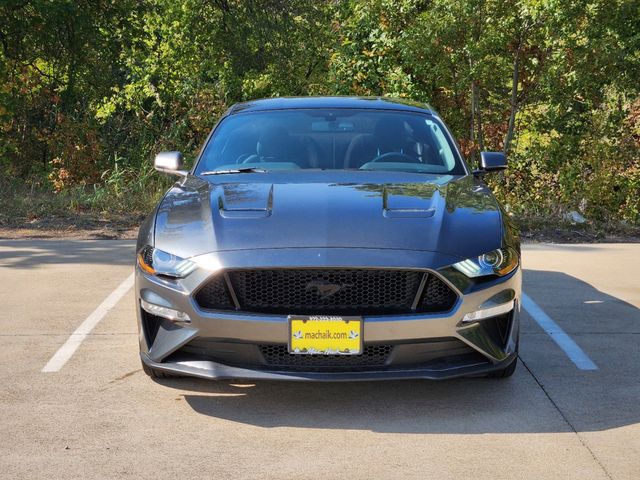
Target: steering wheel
x=396, y=156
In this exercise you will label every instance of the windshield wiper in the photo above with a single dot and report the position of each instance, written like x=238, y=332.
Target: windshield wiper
x=234, y=170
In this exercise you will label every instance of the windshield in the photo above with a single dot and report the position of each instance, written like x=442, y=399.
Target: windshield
x=331, y=139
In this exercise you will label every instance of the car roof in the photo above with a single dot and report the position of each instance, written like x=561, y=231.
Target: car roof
x=287, y=103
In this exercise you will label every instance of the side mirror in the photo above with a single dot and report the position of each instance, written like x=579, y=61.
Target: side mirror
x=492, y=161
x=169, y=162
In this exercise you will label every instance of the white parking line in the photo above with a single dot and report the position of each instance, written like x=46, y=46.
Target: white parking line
x=564, y=341
x=66, y=351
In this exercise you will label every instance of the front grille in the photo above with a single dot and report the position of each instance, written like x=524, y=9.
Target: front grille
x=308, y=291
x=437, y=296
x=371, y=356
x=215, y=294
x=327, y=291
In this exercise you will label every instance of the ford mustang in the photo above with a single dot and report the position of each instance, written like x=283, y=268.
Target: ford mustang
x=329, y=238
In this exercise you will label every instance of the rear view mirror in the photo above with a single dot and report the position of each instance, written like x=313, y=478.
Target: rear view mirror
x=169, y=162
x=492, y=161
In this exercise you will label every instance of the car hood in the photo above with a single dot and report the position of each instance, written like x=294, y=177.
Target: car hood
x=452, y=215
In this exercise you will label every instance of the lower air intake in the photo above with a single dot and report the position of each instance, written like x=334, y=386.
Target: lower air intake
x=279, y=356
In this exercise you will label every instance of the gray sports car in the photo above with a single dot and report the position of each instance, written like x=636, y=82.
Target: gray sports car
x=328, y=238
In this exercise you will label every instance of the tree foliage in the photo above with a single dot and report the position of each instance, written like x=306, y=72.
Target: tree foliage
x=88, y=87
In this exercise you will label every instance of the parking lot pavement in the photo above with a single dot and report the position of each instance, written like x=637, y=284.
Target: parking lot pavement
x=99, y=416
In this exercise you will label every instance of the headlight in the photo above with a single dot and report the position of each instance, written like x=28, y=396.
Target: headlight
x=497, y=262
x=157, y=262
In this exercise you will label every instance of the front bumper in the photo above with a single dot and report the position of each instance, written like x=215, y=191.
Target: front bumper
x=440, y=344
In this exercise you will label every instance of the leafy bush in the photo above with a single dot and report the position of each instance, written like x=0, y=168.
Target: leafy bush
x=89, y=92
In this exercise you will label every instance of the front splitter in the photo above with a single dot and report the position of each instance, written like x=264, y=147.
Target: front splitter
x=218, y=371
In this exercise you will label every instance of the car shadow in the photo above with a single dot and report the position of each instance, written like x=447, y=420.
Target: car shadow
x=32, y=253
x=607, y=329
x=546, y=394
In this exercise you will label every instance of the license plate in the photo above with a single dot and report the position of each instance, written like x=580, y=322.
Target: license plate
x=325, y=335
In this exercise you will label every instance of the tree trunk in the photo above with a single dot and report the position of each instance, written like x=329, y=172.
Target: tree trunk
x=472, y=123
x=514, y=100
x=479, y=120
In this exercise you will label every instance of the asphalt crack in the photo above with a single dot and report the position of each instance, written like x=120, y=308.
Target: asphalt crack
x=566, y=420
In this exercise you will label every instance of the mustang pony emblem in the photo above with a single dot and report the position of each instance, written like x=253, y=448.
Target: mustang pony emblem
x=324, y=288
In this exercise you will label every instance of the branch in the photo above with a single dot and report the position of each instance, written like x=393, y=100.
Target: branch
x=47, y=75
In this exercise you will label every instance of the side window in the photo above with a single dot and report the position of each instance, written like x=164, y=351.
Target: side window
x=443, y=146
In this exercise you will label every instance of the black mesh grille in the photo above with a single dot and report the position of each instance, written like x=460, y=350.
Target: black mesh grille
x=279, y=356
x=356, y=292
x=327, y=291
x=215, y=294
x=437, y=296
